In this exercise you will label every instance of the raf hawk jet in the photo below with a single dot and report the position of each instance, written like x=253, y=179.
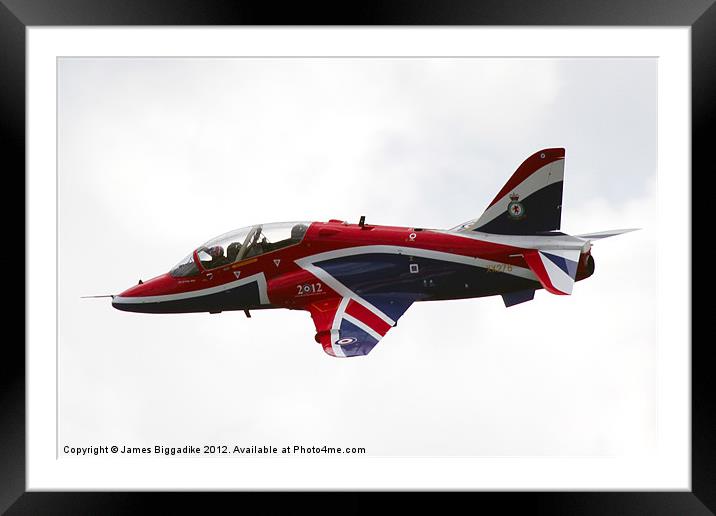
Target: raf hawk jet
x=357, y=280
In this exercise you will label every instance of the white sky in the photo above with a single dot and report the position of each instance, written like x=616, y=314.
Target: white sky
x=159, y=155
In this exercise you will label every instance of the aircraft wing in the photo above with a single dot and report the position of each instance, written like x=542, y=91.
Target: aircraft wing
x=352, y=326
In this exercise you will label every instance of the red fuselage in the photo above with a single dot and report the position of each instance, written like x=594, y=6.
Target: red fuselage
x=429, y=264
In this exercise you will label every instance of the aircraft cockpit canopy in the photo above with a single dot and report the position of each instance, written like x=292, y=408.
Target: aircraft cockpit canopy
x=240, y=244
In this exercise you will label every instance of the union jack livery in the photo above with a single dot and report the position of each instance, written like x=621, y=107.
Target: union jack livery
x=357, y=280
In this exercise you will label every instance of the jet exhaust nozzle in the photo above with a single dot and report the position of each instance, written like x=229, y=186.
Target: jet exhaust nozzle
x=586, y=267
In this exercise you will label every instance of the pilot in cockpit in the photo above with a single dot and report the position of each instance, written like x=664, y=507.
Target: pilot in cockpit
x=217, y=256
x=232, y=251
x=298, y=231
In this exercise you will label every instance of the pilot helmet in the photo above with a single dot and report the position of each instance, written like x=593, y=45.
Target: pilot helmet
x=216, y=251
x=298, y=231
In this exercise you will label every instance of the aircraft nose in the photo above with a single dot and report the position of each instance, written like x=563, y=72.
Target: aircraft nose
x=143, y=296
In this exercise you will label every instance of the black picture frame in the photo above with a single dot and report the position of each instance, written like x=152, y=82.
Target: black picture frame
x=16, y=15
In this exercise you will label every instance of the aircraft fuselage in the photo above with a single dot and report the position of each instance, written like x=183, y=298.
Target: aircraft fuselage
x=335, y=257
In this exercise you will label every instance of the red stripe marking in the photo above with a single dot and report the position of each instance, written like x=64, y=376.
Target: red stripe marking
x=529, y=167
x=535, y=262
x=367, y=317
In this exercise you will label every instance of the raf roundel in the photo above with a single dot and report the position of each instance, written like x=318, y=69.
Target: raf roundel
x=345, y=341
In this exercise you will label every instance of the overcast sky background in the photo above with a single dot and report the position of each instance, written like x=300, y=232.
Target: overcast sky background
x=157, y=156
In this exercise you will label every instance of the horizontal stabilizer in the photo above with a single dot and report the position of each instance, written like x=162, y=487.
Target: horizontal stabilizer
x=555, y=268
x=606, y=234
x=515, y=298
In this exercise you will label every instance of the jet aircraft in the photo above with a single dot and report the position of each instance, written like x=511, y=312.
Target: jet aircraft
x=357, y=280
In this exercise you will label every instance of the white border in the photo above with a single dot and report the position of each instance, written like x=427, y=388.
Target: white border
x=669, y=468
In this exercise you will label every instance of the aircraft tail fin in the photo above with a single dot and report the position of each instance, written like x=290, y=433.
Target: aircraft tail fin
x=530, y=202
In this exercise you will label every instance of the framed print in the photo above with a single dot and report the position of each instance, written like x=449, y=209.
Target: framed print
x=141, y=142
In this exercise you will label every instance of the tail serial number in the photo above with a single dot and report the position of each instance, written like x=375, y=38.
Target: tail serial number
x=499, y=267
